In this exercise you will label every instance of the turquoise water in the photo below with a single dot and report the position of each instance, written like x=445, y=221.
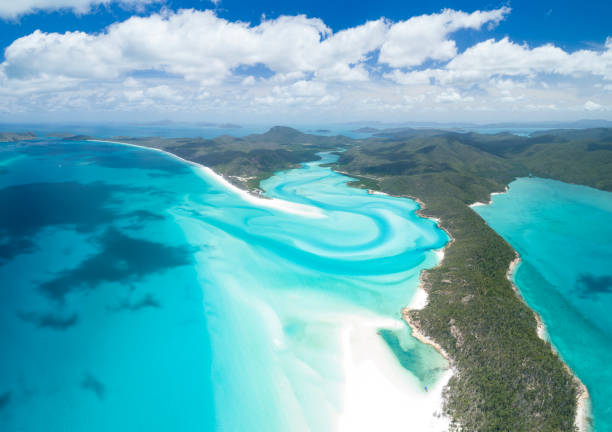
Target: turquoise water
x=141, y=293
x=563, y=233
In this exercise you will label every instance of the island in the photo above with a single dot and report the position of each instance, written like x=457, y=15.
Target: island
x=17, y=136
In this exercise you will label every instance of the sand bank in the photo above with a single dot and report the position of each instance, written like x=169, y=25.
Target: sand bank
x=379, y=393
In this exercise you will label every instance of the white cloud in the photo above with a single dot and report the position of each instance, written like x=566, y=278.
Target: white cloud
x=11, y=9
x=493, y=58
x=196, y=45
x=250, y=80
x=195, y=61
x=452, y=95
x=592, y=106
x=413, y=41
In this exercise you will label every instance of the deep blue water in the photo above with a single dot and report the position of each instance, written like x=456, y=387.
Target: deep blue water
x=141, y=293
x=564, y=235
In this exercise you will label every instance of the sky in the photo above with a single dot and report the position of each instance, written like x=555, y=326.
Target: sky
x=305, y=61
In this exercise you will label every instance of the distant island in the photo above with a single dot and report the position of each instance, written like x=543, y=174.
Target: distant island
x=12, y=137
x=366, y=130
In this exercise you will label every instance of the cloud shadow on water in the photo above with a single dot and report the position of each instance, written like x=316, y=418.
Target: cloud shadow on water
x=121, y=259
x=93, y=385
x=5, y=399
x=147, y=301
x=49, y=320
x=29, y=208
x=591, y=285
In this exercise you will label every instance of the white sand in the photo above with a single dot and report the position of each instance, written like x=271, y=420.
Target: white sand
x=583, y=403
x=480, y=203
x=583, y=409
x=374, y=192
x=274, y=203
x=380, y=395
x=419, y=299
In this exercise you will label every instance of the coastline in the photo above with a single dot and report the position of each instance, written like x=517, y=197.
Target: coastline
x=277, y=204
x=419, y=299
x=434, y=398
x=583, y=404
x=491, y=195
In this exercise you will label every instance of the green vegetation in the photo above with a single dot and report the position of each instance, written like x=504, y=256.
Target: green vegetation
x=245, y=161
x=12, y=137
x=508, y=379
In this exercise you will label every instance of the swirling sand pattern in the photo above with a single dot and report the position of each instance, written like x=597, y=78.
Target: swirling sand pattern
x=177, y=297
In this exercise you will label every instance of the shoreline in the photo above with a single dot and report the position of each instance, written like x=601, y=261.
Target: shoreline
x=491, y=195
x=419, y=299
x=436, y=395
x=583, y=404
x=274, y=203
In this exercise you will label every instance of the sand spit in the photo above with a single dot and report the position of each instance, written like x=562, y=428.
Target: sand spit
x=277, y=204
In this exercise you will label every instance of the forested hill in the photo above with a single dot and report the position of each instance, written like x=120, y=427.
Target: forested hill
x=477, y=164
x=508, y=378
x=247, y=160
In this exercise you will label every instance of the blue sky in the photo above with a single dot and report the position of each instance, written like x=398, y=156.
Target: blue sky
x=486, y=61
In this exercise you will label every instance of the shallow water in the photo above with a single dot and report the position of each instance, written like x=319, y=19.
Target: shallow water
x=563, y=233
x=140, y=293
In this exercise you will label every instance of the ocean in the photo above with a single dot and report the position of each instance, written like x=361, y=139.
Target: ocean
x=140, y=292
x=563, y=233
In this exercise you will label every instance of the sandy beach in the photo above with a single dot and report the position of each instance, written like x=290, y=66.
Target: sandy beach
x=583, y=400
x=281, y=205
x=480, y=203
x=583, y=404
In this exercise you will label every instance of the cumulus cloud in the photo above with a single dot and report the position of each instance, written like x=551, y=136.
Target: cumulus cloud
x=504, y=58
x=196, y=45
x=592, y=106
x=193, y=60
x=10, y=9
x=413, y=41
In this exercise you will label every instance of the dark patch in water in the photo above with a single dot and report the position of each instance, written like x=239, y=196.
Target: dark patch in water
x=5, y=399
x=591, y=285
x=92, y=384
x=145, y=216
x=121, y=258
x=159, y=175
x=49, y=320
x=28, y=208
x=147, y=301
